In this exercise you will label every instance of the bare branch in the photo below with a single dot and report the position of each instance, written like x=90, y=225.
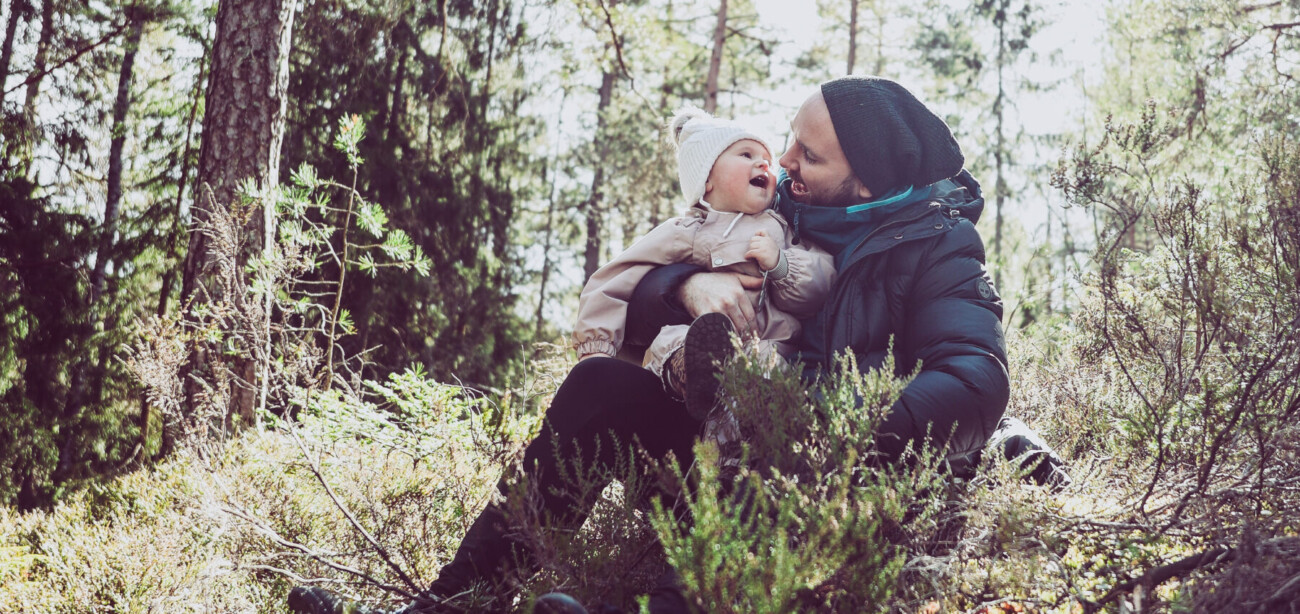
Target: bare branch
x=270, y=534
x=374, y=543
x=618, y=42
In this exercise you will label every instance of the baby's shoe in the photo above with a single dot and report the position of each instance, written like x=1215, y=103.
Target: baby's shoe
x=707, y=350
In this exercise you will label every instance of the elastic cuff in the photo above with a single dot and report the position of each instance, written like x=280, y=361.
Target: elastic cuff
x=782, y=268
x=596, y=346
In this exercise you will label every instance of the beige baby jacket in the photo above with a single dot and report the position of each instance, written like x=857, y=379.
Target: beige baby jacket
x=716, y=241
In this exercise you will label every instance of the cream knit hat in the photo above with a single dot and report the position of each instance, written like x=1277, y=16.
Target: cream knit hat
x=700, y=138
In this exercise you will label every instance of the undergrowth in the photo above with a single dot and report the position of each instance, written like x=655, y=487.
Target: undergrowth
x=1171, y=389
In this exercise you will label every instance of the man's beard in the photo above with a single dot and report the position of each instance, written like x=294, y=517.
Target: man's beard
x=843, y=195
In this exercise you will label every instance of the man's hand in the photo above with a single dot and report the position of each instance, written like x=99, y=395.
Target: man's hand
x=764, y=251
x=721, y=293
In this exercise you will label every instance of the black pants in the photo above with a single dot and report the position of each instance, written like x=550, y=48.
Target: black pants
x=600, y=398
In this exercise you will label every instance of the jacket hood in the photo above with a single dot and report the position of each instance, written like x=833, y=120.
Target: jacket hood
x=962, y=193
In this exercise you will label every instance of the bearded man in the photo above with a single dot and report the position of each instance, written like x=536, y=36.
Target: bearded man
x=875, y=178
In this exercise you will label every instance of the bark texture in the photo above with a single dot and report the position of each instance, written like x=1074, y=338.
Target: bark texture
x=243, y=127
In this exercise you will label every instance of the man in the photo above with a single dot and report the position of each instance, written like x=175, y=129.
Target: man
x=875, y=178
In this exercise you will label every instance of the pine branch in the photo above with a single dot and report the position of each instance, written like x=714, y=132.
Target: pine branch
x=32, y=78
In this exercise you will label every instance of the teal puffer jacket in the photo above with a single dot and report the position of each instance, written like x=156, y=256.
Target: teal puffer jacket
x=920, y=279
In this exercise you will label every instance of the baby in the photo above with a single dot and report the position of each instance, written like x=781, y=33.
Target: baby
x=725, y=173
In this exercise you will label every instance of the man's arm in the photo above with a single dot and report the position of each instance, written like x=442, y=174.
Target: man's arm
x=954, y=328
x=679, y=293
x=654, y=303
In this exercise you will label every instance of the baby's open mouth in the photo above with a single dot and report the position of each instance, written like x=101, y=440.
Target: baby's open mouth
x=759, y=181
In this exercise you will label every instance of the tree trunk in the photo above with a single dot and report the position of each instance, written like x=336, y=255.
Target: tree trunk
x=87, y=381
x=549, y=232
x=18, y=11
x=1051, y=280
x=243, y=127
x=169, y=276
x=395, y=108
x=715, y=60
x=42, y=56
x=880, y=37
x=477, y=190
x=999, y=154
x=595, y=202
x=853, y=35
x=109, y=228
x=165, y=436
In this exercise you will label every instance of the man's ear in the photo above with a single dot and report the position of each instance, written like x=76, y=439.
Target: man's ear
x=864, y=195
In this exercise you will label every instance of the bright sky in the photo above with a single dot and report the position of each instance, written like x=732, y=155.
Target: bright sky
x=1073, y=33
x=1075, y=29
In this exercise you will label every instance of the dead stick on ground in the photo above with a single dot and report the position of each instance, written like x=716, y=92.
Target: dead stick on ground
x=1159, y=575
x=275, y=537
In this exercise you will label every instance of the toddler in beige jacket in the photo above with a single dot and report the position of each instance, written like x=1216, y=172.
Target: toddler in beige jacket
x=725, y=173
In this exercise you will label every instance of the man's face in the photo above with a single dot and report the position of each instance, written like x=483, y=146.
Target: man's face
x=822, y=176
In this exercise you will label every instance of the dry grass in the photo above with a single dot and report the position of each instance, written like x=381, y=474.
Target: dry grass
x=234, y=533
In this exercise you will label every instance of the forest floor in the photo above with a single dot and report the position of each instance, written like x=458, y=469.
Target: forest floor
x=232, y=528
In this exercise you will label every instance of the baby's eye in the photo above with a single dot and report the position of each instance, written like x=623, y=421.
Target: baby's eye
x=747, y=154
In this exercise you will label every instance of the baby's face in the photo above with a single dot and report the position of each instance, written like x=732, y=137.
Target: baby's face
x=742, y=179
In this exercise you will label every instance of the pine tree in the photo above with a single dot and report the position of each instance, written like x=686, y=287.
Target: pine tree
x=243, y=126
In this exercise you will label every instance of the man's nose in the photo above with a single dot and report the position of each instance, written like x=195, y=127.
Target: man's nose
x=787, y=158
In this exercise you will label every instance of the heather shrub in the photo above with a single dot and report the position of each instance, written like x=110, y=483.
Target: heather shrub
x=1171, y=389
x=231, y=533
x=813, y=520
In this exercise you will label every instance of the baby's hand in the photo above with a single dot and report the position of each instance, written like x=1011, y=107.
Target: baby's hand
x=764, y=251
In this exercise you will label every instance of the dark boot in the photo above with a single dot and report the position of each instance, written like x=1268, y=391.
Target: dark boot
x=557, y=603
x=668, y=596
x=708, y=348
x=1020, y=443
x=316, y=600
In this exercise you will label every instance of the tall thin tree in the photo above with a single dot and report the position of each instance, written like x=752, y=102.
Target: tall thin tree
x=18, y=12
x=715, y=60
x=40, y=60
x=853, y=36
x=135, y=16
x=594, y=207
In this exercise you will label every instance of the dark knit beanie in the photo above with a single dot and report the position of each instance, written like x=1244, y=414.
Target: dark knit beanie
x=889, y=137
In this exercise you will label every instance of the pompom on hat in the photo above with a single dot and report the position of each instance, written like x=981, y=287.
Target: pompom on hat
x=700, y=138
x=890, y=138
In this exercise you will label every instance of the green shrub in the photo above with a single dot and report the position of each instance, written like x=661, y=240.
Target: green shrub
x=813, y=521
